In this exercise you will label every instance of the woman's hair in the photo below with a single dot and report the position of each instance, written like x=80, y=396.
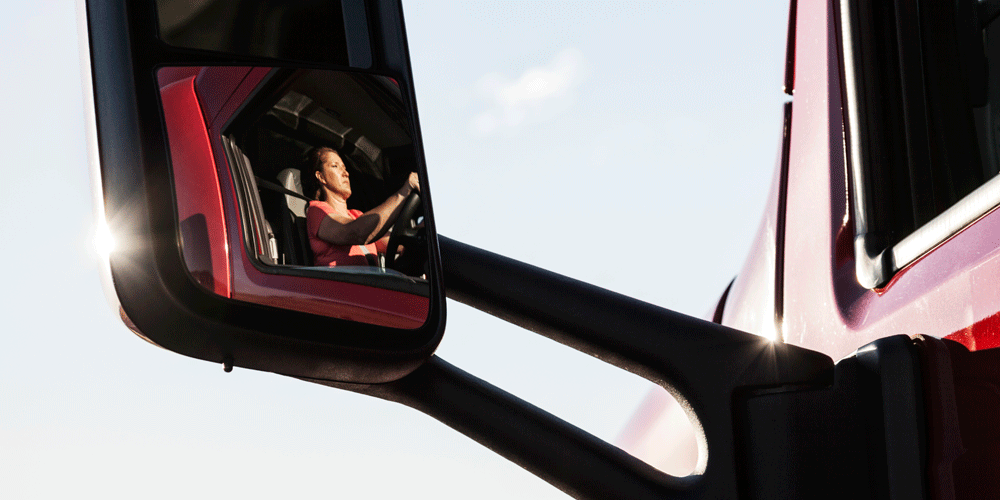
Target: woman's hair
x=314, y=163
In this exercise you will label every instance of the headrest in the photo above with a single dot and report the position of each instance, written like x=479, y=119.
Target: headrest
x=291, y=179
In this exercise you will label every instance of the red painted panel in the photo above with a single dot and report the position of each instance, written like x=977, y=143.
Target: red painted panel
x=335, y=299
x=983, y=334
x=240, y=95
x=951, y=289
x=196, y=184
x=216, y=85
x=166, y=76
x=950, y=292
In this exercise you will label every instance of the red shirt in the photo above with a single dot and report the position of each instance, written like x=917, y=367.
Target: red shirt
x=328, y=254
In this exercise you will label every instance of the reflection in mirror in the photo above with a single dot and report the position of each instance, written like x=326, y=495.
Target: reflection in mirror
x=298, y=189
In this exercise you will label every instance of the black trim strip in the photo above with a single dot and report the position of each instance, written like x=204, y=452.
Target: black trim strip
x=789, y=86
x=780, y=221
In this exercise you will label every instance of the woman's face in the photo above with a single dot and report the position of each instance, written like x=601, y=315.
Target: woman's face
x=333, y=175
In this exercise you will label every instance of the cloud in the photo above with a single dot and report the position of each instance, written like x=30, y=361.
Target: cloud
x=537, y=95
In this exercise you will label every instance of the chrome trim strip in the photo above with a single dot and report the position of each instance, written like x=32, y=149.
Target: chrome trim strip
x=954, y=219
x=871, y=270
x=853, y=124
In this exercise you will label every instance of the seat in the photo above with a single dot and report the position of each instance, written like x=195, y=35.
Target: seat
x=292, y=223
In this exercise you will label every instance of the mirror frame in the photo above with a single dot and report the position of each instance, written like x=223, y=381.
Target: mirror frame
x=157, y=296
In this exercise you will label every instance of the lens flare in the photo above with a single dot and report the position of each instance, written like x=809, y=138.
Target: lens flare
x=104, y=241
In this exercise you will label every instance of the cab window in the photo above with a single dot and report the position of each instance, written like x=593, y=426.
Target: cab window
x=923, y=116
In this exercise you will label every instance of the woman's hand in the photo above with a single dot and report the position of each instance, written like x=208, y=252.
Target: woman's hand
x=413, y=181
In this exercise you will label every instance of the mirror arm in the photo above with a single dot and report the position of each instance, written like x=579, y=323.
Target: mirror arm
x=656, y=343
x=662, y=346
x=821, y=440
x=567, y=457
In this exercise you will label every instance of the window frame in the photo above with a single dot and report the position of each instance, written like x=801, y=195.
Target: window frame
x=262, y=97
x=877, y=262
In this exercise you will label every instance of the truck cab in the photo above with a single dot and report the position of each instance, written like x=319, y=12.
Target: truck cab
x=881, y=218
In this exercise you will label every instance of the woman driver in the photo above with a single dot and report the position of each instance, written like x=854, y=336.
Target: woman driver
x=339, y=236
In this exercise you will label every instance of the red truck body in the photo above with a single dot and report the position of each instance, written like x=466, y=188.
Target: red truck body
x=799, y=283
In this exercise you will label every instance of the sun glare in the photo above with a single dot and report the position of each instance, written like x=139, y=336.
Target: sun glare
x=104, y=241
x=769, y=331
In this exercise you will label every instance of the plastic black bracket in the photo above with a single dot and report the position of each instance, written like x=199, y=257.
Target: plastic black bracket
x=702, y=363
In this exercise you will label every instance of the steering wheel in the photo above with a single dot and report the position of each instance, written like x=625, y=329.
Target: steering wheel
x=406, y=234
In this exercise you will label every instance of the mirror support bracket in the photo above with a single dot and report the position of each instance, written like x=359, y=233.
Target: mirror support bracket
x=849, y=438
x=563, y=455
x=663, y=346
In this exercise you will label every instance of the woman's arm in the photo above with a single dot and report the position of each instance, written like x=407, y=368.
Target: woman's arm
x=382, y=243
x=342, y=230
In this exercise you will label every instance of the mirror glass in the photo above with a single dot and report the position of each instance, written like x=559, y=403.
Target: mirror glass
x=298, y=189
x=320, y=31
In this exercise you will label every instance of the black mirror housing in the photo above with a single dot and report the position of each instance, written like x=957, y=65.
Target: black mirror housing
x=154, y=269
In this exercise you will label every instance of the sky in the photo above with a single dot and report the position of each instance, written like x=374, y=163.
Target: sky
x=626, y=144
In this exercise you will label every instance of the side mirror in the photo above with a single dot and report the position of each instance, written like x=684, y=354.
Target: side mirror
x=211, y=153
